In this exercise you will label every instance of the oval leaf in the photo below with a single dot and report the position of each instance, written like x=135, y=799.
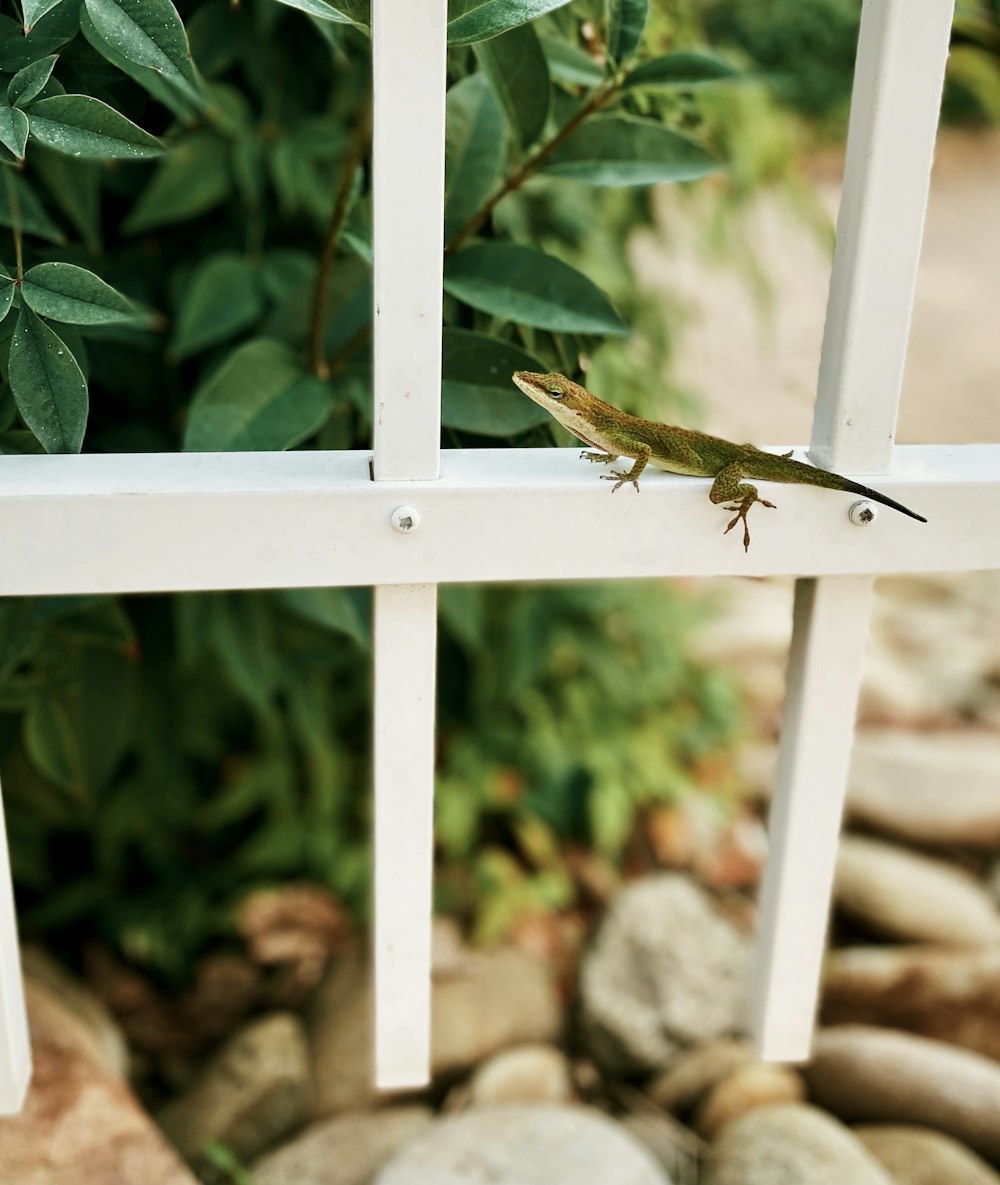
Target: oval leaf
x=27, y=83
x=519, y=74
x=568, y=63
x=6, y=297
x=65, y=292
x=149, y=33
x=623, y=150
x=221, y=298
x=192, y=178
x=475, y=152
x=681, y=71
x=258, y=398
x=521, y=284
x=626, y=21
x=48, y=385
x=320, y=9
x=476, y=392
x=82, y=126
x=57, y=25
x=478, y=20
x=13, y=130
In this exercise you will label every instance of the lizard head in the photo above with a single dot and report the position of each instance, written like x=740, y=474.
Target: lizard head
x=560, y=396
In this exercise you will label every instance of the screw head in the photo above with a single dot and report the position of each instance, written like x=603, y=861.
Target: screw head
x=405, y=520
x=862, y=513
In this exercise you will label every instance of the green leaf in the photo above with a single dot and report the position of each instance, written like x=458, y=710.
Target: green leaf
x=330, y=12
x=34, y=10
x=48, y=34
x=517, y=70
x=193, y=178
x=74, y=185
x=32, y=216
x=13, y=130
x=48, y=385
x=478, y=20
x=85, y=127
x=332, y=608
x=65, y=292
x=474, y=149
x=626, y=21
x=27, y=83
x=568, y=63
x=258, y=398
x=6, y=293
x=681, y=71
x=521, y=284
x=148, y=33
x=624, y=150
x=221, y=298
x=477, y=394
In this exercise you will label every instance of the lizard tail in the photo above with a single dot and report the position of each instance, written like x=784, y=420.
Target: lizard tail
x=852, y=487
x=812, y=475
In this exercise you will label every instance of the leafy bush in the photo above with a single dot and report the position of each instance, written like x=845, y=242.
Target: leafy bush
x=161, y=755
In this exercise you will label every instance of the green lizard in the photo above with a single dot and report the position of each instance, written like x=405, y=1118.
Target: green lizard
x=614, y=434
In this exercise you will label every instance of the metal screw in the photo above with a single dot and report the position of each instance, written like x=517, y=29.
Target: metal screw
x=863, y=513
x=405, y=519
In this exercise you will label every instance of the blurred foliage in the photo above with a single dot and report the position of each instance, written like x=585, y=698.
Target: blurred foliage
x=162, y=756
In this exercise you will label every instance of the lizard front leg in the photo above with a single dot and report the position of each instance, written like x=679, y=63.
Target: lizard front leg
x=641, y=454
x=728, y=485
x=599, y=457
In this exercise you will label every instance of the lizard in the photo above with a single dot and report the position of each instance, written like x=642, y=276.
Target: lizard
x=612, y=434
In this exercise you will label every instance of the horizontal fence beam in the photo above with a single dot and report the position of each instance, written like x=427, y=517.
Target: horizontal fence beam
x=188, y=521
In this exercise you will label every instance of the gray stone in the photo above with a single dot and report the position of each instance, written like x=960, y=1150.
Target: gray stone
x=903, y=895
x=345, y=1150
x=931, y=788
x=525, y=1074
x=692, y=1076
x=917, y=1156
x=666, y=970
x=792, y=1144
x=536, y=1145
x=257, y=1088
x=951, y=995
x=868, y=1074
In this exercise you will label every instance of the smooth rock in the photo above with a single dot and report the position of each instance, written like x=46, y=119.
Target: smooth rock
x=745, y=1089
x=345, y=1150
x=868, y=1074
x=692, y=1076
x=536, y=1145
x=525, y=1074
x=902, y=895
x=791, y=1144
x=917, y=1156
x=80, y=1122
x=675, y=1147
x=666, y=970
x=255, y=1089
x=951, y=995
x=931, y=788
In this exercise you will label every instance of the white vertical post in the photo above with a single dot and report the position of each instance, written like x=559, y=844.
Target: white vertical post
x=408, y=70
x=15, y=1046
x=899, y=76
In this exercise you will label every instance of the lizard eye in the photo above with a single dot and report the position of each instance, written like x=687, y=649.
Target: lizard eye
x=555, y=392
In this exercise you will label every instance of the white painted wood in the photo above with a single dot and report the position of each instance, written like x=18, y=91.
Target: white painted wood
x=274, y=520
x=405, y=658
x=899, y=76
x=408, y=65
x=894, y=113
x=15, y=1047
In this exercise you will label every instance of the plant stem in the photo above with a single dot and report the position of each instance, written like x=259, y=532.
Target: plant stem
x=356, y=154
x=15, y=223
x=519, y=175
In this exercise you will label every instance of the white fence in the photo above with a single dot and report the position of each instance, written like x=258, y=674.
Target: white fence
x=214, y=521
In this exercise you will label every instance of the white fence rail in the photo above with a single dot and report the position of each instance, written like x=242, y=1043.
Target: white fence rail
x=183, y=522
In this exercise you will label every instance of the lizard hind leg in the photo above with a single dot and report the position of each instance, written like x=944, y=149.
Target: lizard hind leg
x=728, y=485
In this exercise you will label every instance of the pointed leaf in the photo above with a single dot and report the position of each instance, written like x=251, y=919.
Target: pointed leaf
x=259, y=398
x=681, y=71
x=221, y=298
x=148, y=33
x=476, y=392
x=6, y=296
x=74, y=185
x=48, y=385
x=569, y=63
x=521, y=284
x=626, y=20
x=82, y=126
x=50, y=32
x=65, y=292
x=13, y=130
x=474, y=149
x=27, y=83
x=478, y=20
x=624, y=150
x=192, y=178
x=324, y=11
x=517, y=70
x=32, y=216
x=34, y=10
